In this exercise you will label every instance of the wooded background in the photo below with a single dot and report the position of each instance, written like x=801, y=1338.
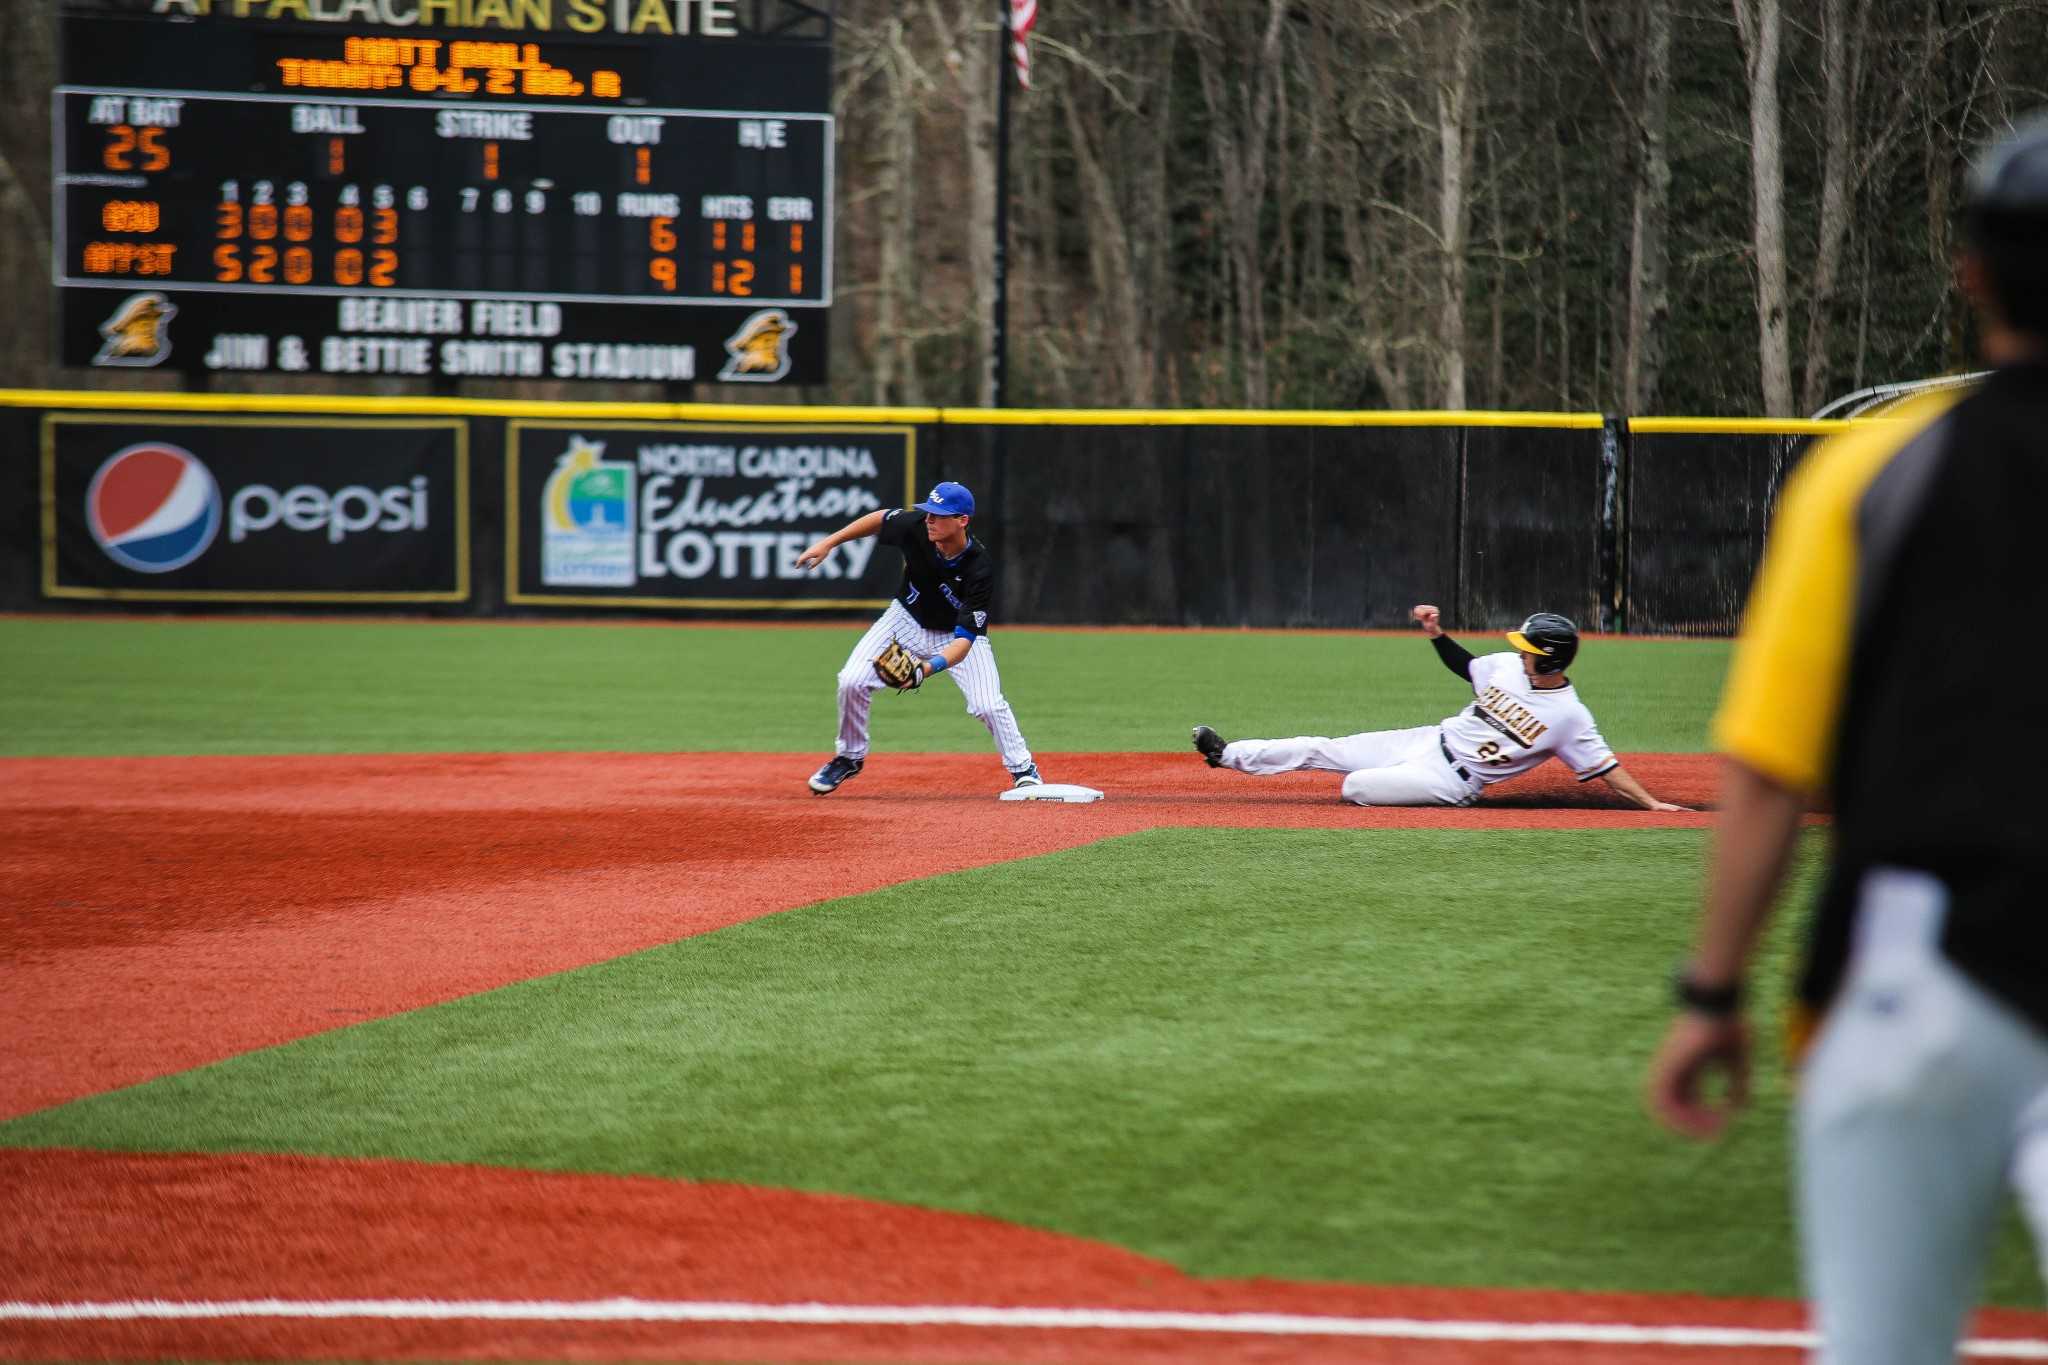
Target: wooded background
x=1634, y=206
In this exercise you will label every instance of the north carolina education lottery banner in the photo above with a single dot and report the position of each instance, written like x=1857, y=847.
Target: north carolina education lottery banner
x=255, y=509
x=443, y=189
x=690, y=515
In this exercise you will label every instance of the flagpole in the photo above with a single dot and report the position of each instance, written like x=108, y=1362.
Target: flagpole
x=999, y=338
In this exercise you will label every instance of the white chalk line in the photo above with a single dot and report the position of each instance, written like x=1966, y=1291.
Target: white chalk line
x=869, y=1315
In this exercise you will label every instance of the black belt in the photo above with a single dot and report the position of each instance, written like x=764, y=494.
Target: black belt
x=1448, y=759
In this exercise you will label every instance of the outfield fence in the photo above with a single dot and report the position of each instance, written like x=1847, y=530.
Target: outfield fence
x=1170, y=518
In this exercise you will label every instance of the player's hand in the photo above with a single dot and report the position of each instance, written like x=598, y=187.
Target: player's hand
x=1667, y=807
x=1429, y=618
x=1696, y=1049
x=813, y=557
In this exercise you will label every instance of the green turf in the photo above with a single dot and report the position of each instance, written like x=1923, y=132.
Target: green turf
x=1378, y=1056
x=184, y=686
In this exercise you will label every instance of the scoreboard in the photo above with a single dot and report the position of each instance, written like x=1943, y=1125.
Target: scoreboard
x=237, y=192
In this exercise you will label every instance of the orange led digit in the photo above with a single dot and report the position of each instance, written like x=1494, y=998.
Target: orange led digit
x=120, y=142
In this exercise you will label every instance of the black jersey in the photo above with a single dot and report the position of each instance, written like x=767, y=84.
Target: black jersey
x=1885, y=546
x=1932, y=770
x=943, y=594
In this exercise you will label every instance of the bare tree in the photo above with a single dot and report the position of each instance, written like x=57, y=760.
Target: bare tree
x=1111, y=100
x=966, y=36
x=886, y=67
x=1635, y=67
x=1760, y=26
x=1457, y=98
x=1240, y=74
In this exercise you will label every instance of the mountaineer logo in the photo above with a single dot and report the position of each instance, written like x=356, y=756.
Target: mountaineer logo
x=759, y=350
x=138, y=332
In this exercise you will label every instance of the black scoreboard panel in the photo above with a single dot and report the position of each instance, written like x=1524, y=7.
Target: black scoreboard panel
x=266, y=193
x=298, y=198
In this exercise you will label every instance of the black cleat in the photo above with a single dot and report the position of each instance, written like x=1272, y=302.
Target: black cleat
x=1209, y=745
x=1026, y=776
x=835, y=771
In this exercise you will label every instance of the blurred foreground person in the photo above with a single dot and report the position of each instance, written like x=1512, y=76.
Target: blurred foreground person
x=1864, y=671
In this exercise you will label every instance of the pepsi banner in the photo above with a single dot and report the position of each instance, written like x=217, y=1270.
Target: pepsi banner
x=160, y=507
x=691, y=515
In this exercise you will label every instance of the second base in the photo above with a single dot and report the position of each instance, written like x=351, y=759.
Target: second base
x=1051, y=791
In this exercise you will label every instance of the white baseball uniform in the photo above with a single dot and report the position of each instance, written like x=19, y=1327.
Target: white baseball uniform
x=1511, y=726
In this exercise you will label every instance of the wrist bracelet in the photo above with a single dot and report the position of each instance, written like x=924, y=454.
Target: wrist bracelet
x=936, y=664
x=1717, y=1002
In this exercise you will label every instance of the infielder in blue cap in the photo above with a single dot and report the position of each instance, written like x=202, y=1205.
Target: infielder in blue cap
x=937, y=623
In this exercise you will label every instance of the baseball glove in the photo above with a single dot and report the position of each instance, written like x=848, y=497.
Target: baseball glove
x=899, y=668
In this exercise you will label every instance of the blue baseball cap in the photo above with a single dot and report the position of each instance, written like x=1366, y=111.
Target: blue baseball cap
x=948, y=500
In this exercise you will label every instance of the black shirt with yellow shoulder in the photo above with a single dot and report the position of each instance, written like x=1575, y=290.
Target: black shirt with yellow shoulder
x=1900, y=549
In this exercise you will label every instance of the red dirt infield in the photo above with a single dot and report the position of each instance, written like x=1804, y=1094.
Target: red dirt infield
x=119, y=1227
x=162, y=913
x=237, y=903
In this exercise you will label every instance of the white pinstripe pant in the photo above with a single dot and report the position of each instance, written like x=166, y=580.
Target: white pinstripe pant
x=975, y=675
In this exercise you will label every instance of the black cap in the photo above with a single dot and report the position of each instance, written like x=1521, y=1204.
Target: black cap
x=2005, y=222
x=2012, y=174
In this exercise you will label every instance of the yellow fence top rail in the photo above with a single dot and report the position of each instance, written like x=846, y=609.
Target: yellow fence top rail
x=1743, y=426
x=1261, y=417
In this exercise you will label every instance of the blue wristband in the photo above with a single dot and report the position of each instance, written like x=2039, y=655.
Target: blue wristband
x=935, y=665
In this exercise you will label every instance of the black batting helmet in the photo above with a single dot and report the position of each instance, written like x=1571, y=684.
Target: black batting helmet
x=1552, y=638
x=2005, y=220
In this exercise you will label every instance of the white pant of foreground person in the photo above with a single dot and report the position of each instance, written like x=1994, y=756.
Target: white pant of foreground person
x=1923, y=1097
x=1381, y=767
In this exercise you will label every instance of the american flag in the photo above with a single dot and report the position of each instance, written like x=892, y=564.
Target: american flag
x=1023, y=14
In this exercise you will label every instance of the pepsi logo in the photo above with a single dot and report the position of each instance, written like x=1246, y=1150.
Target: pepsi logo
x=153, y=507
